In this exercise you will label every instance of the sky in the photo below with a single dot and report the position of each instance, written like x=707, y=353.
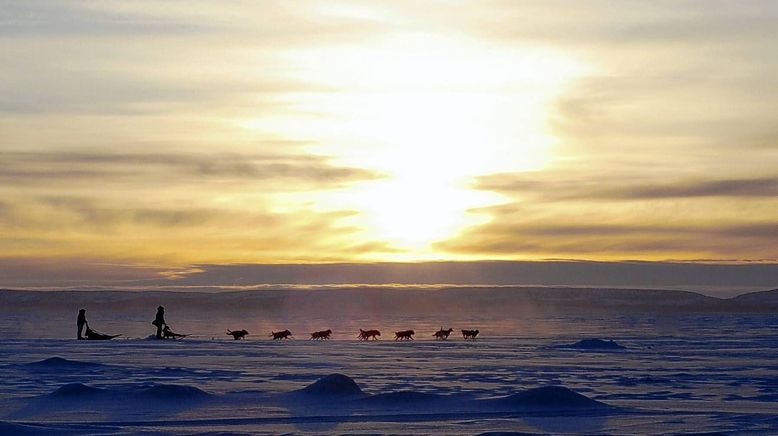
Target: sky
x=149, y=138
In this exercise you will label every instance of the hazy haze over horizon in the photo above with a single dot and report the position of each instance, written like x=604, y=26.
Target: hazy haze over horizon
x=720, y=280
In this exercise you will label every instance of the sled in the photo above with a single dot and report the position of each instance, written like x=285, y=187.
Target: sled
x=170, y=334
x=97, y=336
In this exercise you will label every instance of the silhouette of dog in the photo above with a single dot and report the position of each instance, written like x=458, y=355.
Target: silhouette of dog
x=322, y=335
x=364, y=335
x=470, y=334
x=281, y=335
x=405, y=335
x=238, y=334
x=442, y=335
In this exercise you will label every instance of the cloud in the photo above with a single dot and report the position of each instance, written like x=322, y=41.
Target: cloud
x=613, y=22
x=552, y=186
x=118, y=58
x=767, y=232
x=671, y=85
x=296, y=170
x=618, y=215
x=503, y=236
x=130, y=232
x=667, y=146
x=760, y=187
x=125, y=125
x=41, y=18
x=64, y=272
x=283, y=24
x=67, y=213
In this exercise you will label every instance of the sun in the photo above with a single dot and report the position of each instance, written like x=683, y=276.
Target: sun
x=411, y=213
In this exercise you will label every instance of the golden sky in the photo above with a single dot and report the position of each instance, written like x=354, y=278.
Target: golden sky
x=175, y=133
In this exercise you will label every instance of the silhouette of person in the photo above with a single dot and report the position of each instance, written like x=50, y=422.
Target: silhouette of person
x=159, y=321
x=81, y=322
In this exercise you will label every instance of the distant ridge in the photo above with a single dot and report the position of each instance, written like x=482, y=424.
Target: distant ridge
x=761, y=297
x=500, y=300
x=717, y=277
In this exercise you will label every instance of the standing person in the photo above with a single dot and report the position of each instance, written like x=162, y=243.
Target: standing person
x=159, y=321
x=81, y=322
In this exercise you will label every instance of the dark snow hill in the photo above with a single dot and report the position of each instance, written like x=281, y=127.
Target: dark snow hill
x=391, y=301
x=758, y=298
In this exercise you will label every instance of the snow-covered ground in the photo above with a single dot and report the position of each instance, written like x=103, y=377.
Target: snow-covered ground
x=686, y=373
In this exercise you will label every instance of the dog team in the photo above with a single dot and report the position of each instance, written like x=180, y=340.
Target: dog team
x=164, y=332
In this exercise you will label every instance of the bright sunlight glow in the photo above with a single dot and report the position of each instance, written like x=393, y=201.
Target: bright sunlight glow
x=430, y=114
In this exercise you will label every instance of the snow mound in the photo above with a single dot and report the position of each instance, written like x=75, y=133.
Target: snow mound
x=506, y=433
x=159, y=393
x=173, y=392
x=59, y=363
x=401, y=397
x=551, y=397
x=333, y=384
x=76, y=390
x=595, y=344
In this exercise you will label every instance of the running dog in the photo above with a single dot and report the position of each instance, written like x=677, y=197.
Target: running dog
x=470, y=334
x=405, y=335
x=442, y=335
x=286, y=334
x=364, y=335
x=238, y=334
x=321, y=336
